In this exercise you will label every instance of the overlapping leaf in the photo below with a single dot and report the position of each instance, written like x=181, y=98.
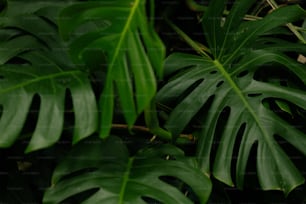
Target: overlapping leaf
x=119, y=32
x=118, y=178
x=34, y=62
x=226, y=83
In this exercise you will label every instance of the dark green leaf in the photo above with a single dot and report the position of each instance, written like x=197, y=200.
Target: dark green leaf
x=33, y=63
x=106, y=167
x=228, y=84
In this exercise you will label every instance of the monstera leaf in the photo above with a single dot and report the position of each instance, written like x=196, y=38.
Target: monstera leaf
x=225, y=83
x=116, y=36
x=33, y=63
x=105, y=168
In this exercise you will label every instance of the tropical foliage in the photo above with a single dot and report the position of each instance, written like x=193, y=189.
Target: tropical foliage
x=120, y=101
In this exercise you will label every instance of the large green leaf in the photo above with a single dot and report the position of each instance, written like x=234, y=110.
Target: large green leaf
x=34, y=62
x=226, y=83
x=118, y=31
x=117, y=178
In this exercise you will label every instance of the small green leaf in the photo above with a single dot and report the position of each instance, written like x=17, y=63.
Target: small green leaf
x=283, y=106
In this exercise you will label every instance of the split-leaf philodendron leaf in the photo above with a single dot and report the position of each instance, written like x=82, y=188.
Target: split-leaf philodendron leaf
x=33, y=62
x=225, y=79
x=119, y=32
x=119, y=178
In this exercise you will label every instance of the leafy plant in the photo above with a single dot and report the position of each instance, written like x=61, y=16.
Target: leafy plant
x=224, y=79
x=146, y=128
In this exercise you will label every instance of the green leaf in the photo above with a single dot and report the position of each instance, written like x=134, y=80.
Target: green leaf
x=229, y=83
x=49, y=81
x=33, y=63
x=34, y=33
x=31, y=7
x=118, y=178
x=304, y=27
x=134, y=53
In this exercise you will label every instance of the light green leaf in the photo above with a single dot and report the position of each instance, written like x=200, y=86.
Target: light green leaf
x=134, y=53
x=119, y=178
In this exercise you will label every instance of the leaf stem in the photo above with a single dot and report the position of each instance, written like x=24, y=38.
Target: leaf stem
x=182, y=139
x=125, y=180
x=195, y=6
x=202, y=50
x=152, y=13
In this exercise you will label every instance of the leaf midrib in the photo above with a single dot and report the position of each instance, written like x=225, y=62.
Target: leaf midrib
x=38, y=79
x=125, y=180
x=242, y=98
x=123, y=35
